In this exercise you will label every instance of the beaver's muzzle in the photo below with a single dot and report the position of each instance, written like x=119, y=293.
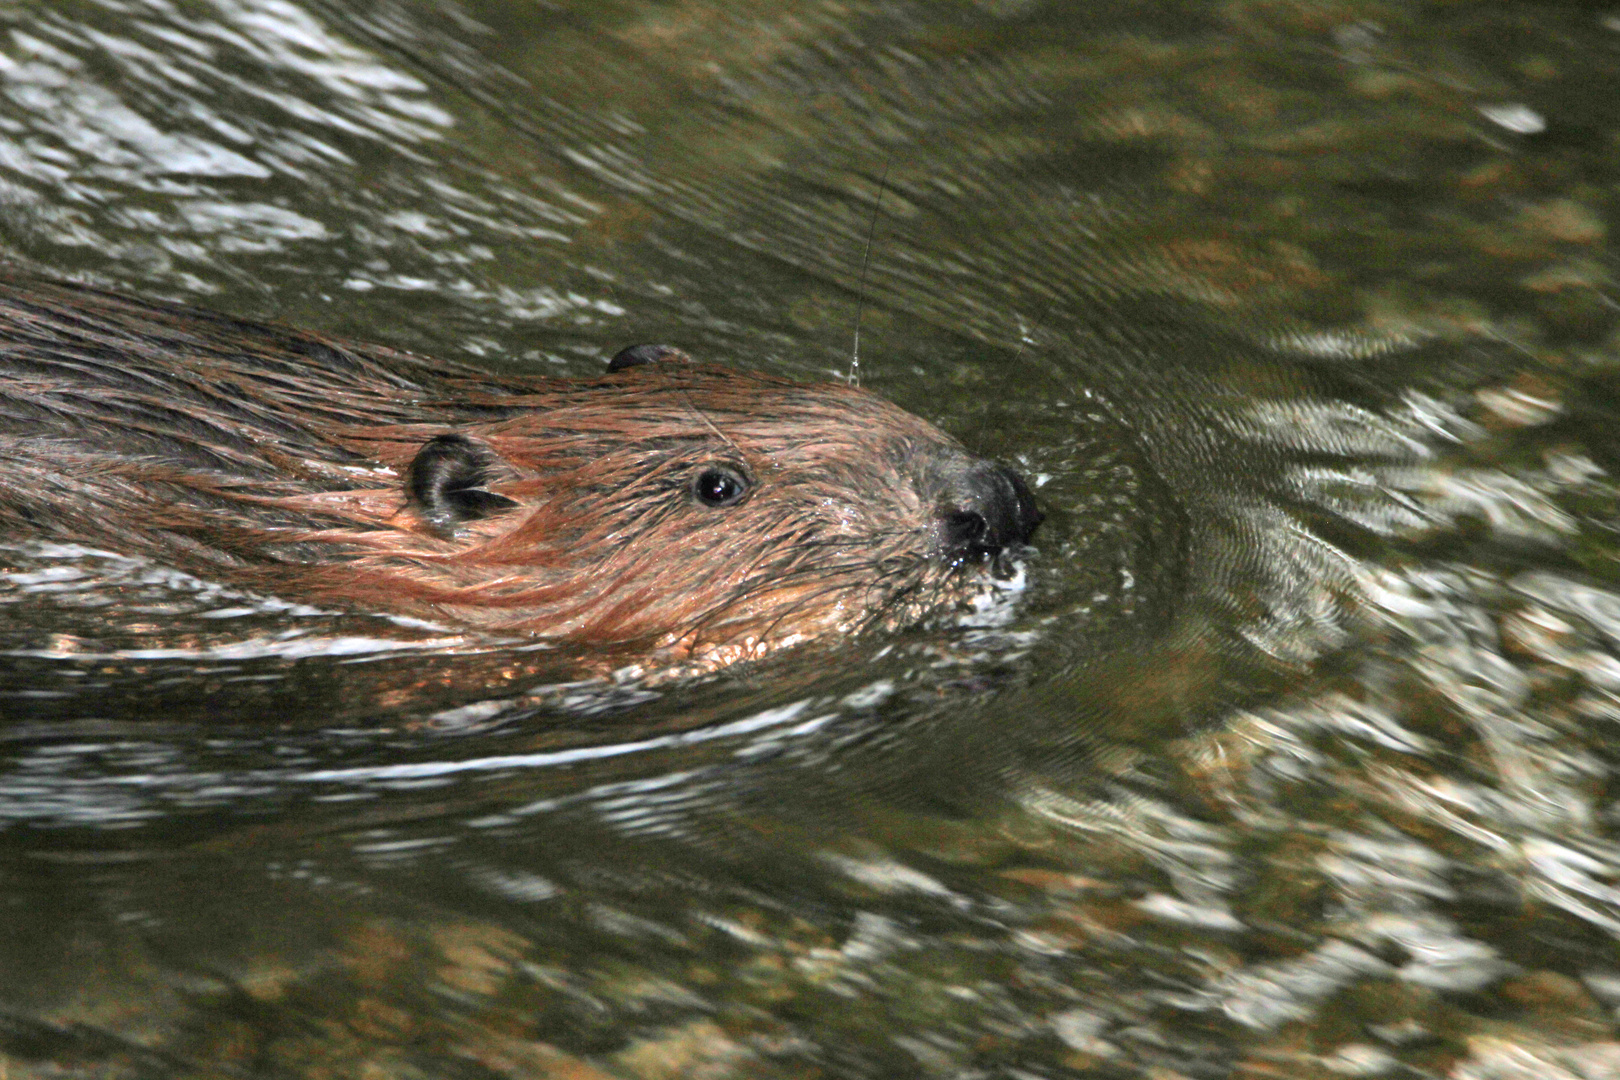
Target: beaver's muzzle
x=988, y=508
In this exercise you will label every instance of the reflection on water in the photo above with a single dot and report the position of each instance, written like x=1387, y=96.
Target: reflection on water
x=1295, y=758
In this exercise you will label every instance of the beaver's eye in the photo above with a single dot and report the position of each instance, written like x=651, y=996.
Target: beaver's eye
x=717, y=485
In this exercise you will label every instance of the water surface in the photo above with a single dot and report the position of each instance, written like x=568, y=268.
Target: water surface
x=1295, y=758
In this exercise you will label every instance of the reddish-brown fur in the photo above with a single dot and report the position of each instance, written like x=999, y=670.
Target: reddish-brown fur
x=276, y=458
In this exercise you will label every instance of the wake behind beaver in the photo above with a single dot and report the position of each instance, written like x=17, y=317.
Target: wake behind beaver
x=707, y=513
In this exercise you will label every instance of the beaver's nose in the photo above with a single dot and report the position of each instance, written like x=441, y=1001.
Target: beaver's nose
x=993, y=508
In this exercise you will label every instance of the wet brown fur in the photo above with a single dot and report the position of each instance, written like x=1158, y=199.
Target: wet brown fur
x=275, y=458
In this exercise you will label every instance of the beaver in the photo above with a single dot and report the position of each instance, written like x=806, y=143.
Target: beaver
x=711, y=513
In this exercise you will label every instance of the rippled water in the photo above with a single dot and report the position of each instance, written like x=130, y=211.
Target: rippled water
x=1296, y=757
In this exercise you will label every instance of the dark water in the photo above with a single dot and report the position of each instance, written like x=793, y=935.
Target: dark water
x=1297, y=756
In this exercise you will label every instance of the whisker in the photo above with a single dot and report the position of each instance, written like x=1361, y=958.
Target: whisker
x=854, y=378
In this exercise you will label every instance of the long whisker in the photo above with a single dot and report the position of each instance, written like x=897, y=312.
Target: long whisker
x=710, y=424
x=854, y=378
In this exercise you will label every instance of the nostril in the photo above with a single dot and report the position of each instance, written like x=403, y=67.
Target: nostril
x=964, y=528
x=984, y=509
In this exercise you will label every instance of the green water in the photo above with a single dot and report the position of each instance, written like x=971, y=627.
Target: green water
x=1295, y=758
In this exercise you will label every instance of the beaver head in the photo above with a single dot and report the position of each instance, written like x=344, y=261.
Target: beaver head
x=716, y=512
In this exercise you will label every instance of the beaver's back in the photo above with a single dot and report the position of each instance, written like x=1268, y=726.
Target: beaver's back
x=129, y=379
x=120, y=419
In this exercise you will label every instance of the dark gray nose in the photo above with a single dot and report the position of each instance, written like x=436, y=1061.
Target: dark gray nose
x=992, y=509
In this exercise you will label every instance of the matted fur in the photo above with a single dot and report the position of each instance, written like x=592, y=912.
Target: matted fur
x=275, y=458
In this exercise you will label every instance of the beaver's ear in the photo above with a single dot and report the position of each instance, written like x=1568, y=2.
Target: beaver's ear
x=637, y=355
x=446, y=482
